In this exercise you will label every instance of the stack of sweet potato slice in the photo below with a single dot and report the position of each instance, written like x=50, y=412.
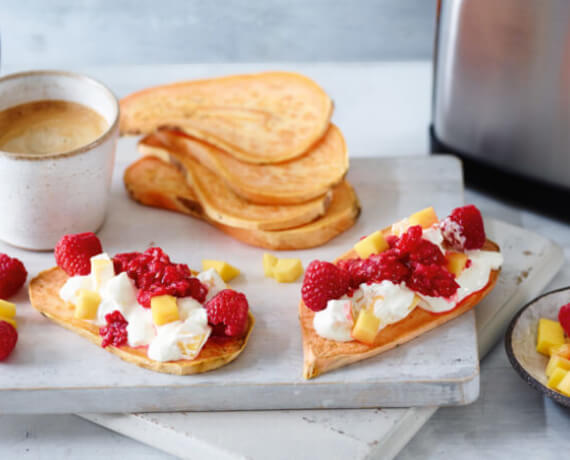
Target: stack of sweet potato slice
x=254, y=155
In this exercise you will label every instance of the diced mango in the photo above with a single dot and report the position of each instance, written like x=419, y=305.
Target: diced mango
x=372, y=244
x=557, y=362
x=564, y=385
x=10, y=320
x=556, y=378
x=7, y=309
x=455, y=262
x=426, y=218
x=561, y=350
x=226, y=271
x=164, y=309
x=287, y=270
x=102, y=270
x=269, y=262
x=87, y=304
x=550, y=334
x=366, y=327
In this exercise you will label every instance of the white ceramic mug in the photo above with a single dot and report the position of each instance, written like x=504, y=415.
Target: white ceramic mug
x=43, y=197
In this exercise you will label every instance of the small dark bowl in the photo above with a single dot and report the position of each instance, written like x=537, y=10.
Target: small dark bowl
x=520, y=341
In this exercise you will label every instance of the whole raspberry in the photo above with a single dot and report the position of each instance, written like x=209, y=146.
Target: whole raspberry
x=323, y=282
x=115, y=332
x=12, y=276
x=72, y=252
x=8, y=339
x=432, y=280
x=228, y=308
x=464, y=228
x=564, y=318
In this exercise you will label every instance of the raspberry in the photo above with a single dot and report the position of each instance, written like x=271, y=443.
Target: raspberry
x=12, y=276
x=432, y=280
x=564, y=318
x=8, y=339
x=228, y=308
x=427, y=253
x=72, y=252
x=154, y=274
x=323, y=282
x=377, y=267
x=115, y=332
x=409, y=240
x=464, y=229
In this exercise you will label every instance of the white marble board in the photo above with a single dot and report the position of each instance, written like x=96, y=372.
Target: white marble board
x=531, y=261
x=55, y=371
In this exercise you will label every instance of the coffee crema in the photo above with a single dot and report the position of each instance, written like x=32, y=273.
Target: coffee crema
x=49, y=127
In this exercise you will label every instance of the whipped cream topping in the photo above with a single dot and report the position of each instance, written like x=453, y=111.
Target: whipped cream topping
x=393, y=302
x=182, y=339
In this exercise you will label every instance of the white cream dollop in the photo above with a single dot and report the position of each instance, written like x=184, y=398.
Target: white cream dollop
x=335, y=321
x=213, y=281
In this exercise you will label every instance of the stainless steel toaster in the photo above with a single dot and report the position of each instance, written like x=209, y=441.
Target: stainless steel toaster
x=501, y=88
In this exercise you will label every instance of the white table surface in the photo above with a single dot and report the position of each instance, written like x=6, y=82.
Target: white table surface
x=383, y=109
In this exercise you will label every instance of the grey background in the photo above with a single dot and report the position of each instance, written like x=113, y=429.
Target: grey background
x=75, y=33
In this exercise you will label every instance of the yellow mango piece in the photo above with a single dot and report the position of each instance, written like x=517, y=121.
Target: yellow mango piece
x=87, y=304
x=366, y=327
x=455, y=262
x=287, y=270
x=557, y=362
x=426, y=218
x=550, y=334
x=191, y=347
x=372, y=244
x=561, y=350
x=10, y=320
x=269, y=262
x=7, y=309
x=556, y=377
x=164, y=309
x=226, y=271
x=102, y=270
x=564, y=385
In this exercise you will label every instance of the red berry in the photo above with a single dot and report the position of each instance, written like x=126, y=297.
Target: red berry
x=72, y=252
x=377, y=267
x=409, y=240
x=12, y=276
x=464, y=228
x=8, y=339
x=121, y=261
x=432, y=280
x=427, y=253
x=115, y=332
x=323, y=282
x=564, y=318
x=228, y=308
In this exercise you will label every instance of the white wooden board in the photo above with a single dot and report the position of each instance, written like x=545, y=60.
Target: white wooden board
x=531, y=261
x=55, y=371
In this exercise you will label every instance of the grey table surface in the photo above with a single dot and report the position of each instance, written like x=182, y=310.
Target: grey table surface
x=509, y=419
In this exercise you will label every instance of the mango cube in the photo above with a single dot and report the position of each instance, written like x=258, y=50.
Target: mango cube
x=226, y=271
x=561, y=350
x=287, y=270
x=556, y=378
x=269, y=262
x=550, y=334
x=425, y=218
x=456, y=262
x=372, y=244
x=164, y=309
x=12, y=321
x=564, y=385
x=366, y=327
x=87, y=304
x=557, y=362
x=102, y=270
x=7, y=309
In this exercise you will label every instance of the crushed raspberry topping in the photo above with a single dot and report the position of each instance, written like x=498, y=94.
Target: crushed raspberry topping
x=227, y=313
x=323, y=282
x=464, y=228
x=73, y=252
x=378, y=267
x=432, y=280
x=564, y=318
x=12, y=276
x=115, y=332
x=154, y=274
x=8, y=339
